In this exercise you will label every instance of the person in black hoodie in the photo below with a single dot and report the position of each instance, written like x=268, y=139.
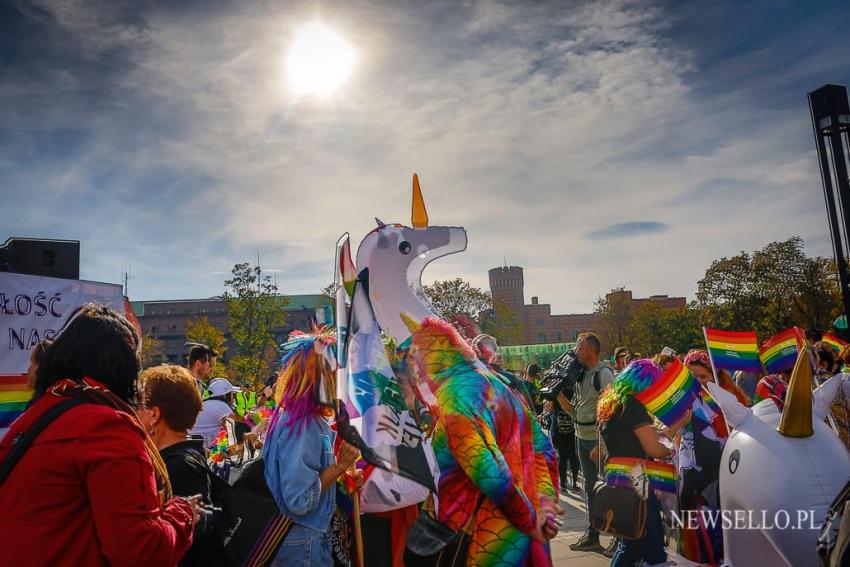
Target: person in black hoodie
x=170, y=403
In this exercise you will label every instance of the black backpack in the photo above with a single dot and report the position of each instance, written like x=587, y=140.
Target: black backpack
x=246, y=519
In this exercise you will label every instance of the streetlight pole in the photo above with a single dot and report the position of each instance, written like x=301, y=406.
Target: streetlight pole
x=830, y=112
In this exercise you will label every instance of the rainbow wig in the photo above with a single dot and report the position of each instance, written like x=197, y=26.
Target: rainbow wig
x=306, y=383
x=633, y=380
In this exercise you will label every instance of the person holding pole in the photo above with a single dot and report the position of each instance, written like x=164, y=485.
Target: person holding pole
x=301, y=468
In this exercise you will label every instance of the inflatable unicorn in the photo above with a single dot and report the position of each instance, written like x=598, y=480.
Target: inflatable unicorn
x=780, y=472
x=395, y=257
x=384, y=284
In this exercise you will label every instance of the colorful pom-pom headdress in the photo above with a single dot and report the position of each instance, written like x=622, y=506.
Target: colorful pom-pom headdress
x=306, y=384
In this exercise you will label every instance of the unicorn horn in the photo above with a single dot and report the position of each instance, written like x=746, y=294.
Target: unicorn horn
x=796, y=418
x=419, y=216
x=412, y=324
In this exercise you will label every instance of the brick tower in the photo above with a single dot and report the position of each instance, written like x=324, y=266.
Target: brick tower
x=507, y=286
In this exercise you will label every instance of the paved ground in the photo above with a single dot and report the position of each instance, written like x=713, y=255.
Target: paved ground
x=571, y=531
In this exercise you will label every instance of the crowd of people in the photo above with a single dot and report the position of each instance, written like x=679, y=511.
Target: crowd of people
x=112, y=464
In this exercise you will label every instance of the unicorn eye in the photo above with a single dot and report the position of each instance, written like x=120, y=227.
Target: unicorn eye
x=734, y=460
x=404, y=247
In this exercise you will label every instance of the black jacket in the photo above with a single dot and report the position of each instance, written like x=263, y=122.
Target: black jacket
x=189, y=475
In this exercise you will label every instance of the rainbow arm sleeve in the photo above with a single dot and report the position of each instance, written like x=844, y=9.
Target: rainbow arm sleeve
x=545, y=461
x=473, y=445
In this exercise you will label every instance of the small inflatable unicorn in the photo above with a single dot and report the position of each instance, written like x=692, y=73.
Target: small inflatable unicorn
x=780, y=472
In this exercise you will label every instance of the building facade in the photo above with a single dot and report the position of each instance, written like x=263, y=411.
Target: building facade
x=507, y=285
x=166, y=320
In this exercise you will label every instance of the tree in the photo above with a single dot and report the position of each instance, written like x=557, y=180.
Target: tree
x=151, y=353
x=771, y=289
x=455, y=297
x=653, y=327
x=616, y=314
x=254, y=309
x=329, y=290
x=202, y=331
x=502, y=323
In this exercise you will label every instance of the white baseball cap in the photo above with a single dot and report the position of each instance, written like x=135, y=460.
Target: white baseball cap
x=220, y=387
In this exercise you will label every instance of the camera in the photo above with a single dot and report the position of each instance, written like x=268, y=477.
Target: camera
x=562, y=376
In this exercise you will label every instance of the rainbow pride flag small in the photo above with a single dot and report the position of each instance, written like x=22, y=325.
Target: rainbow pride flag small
x=833, y=341
x=622, y=471
x=14, y=397
x=670, y=397
x=779, y=352
x=708, y=400
x=733, y=350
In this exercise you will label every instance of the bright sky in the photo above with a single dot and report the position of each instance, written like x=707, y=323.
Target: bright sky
x=597, y=144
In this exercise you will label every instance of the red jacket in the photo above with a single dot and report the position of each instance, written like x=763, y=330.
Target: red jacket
x=84, y=494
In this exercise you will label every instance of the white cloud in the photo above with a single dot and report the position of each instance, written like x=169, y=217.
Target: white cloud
x=530, y=125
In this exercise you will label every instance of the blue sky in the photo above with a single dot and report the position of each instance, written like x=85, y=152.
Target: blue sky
x=597, y=144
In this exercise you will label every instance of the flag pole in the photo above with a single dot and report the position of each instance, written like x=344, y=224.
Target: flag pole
x=358, y=534
x=710, y=358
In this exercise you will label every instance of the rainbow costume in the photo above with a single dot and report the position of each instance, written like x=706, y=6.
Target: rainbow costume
x=484, y=441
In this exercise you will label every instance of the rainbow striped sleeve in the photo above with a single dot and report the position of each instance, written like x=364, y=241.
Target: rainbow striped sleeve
x=733, y=350
x=779, y=352
x=545, y=459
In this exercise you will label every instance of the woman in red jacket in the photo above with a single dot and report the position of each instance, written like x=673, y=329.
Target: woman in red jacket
x=91, y=489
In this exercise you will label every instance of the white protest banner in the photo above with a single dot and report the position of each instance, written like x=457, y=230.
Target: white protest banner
x=33, y=308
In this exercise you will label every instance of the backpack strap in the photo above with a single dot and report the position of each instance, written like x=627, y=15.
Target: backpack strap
x=25, y=438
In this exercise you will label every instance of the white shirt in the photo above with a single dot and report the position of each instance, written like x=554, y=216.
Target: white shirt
x=210, y=420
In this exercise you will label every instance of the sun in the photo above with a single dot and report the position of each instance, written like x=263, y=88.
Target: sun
x=320, y=60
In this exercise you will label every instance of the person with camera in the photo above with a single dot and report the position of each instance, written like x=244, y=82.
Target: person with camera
x=563, y=436
x=596, y=376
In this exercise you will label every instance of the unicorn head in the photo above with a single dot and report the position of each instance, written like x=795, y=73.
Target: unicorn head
x=391, y=259
x=780, y=466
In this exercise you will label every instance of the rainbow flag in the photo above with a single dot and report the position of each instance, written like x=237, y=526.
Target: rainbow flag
x=14, y=397
x=708, y=400
x=672, y=394
x=733, y=350
x=833, y=341
x=779, y=352
x=622, y=471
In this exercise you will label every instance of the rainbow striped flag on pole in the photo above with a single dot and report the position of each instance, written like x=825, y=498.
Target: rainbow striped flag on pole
x=833, y=341
x=670, y=397
x=733, y=350
x=779, y=352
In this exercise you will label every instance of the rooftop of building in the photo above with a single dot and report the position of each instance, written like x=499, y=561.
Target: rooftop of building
x=296, y=302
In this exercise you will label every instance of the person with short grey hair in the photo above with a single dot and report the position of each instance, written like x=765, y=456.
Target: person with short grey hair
x=597, y=375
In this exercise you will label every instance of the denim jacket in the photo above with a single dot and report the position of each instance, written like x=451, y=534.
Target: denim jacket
x=295, y=457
